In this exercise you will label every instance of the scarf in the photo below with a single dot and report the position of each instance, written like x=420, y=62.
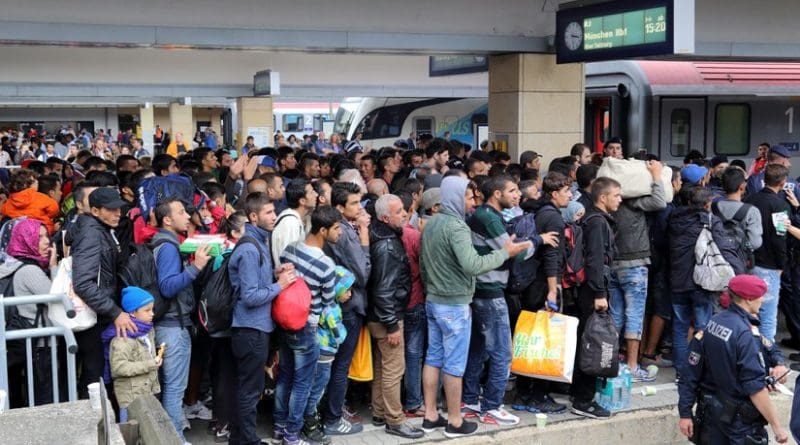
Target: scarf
x=24, y=242
x=110, y=332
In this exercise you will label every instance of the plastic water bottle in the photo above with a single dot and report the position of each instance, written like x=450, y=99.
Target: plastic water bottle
x=627, y=387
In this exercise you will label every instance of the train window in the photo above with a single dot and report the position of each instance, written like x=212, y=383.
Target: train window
x=319, y=119
x=680, y=131
x=423, y=125
x=732, y=129
x=387, y=122
x=292, y=122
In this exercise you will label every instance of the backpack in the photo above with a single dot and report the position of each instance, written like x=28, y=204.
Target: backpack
x=599, y=355
x=217, y=299
x=522, y=273
x=574, y=261
x=140, y=270
x=712, y=271
x=5, y=236
x=16, y=349
x=736, y=230
x=157, y=188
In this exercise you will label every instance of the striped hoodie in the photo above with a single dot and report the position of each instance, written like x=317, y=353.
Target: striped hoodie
x=489, y=234
x=318, y=271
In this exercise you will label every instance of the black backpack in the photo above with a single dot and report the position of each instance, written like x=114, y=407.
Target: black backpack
x=599, y=346
x=735, y=229
x=217, y=299
x=16, y=352
x=139, y=269
x=522, y=273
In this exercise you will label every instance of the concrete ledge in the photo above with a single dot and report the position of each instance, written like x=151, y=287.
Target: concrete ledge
x=155, y=427
x=73, y=423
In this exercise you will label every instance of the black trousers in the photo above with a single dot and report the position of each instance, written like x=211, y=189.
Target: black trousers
x=223, y=381
x=250, y=350
x=583, y=386
x=90, y=360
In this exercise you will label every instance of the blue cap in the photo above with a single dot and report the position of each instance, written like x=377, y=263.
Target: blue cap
x=267, y=161
x=693, y=173
x=344, y=281
x=780, y=150
x=134, y=298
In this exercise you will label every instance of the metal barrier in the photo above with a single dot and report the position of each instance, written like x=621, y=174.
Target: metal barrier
x=40, y=332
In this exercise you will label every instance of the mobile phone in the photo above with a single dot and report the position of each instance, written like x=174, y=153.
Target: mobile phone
x=789, y=186
x=234, y=154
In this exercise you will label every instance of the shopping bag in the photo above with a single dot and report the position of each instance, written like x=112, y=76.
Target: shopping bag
x=361, y=366
x=544, y=346
x=85, y=317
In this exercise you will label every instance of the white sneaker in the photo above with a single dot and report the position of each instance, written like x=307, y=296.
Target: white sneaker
x=186, y=425
x=187, y=443
x=499, y=416
x=470, y=411
x=197, y=411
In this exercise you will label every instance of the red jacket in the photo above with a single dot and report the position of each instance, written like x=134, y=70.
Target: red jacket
x=412, y=242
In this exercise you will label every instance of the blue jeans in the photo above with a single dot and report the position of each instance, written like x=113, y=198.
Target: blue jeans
x=337, y=385
x=695, y=304
x=628, y=291
x=449, y=329
x=768, y=314
x=414, y=330
x=322, y=374
x=299, y=353
x=491, y=338
x=174, y=371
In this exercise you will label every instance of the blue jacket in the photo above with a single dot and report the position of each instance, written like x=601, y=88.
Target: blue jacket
x=175, y=281
x=250, y=271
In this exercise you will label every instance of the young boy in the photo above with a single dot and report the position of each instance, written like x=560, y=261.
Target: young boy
x=133, y=360
x=331, y=334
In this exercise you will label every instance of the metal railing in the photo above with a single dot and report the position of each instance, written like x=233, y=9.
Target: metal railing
x=38, y=332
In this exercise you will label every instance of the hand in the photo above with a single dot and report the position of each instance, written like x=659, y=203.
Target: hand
x=780, y=434
x=792, y=198
x=202, y=256
x=250, y=168
x=687, y=427
x=552, y=297
x=394, y=338
x=550, y=238
x=600, y=304
x=779, y=372
x=655, y=168
x=159, y=361
x=286, y=278
x=283, y=267
x=237, y=167
x=363, y=220
x=124, y=325
x=514, y=248
x=51, y=252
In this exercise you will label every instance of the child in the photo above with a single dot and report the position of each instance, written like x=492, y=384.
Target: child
x=331, y=334
x=133, y=361
x=573, y=212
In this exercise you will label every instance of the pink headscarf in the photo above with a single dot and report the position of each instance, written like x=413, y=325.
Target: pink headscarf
x=24, y=242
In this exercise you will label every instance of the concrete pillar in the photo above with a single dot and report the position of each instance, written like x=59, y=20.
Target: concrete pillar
x=147, y=124
x=254, y=118
x=180, y=119
x=535, y=104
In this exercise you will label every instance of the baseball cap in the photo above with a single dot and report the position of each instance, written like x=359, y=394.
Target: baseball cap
x=780, y=150
x=344, y=280
x=106, y=198
x=267, y=161
x=693, y=173
x=528, y=156
x=431, y=197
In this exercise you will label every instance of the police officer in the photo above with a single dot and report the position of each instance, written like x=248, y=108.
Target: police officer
x=730, y=371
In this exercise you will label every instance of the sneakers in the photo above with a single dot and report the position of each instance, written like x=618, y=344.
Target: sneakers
x=430, y=426
x=293, y=439
x=351, y=415
x=186, y=425
x=467, y=428
x=414, y=414
x=657, y=360
x=405, y=430
x=590, y=409
x=278, y=432
x=378, y=421
x=197, y=411
x=313, y=431
x=499, y=416
x=644, y=375
x=470, y=411
x=343, y=427
x=222, y=434
x=546, y=406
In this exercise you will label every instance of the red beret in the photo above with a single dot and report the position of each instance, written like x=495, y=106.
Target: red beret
x=748, y=287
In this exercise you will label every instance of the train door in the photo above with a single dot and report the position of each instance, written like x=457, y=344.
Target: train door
x=598, y=122
x=682, y=127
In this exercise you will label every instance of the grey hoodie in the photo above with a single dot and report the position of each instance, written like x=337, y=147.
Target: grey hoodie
x=452, y=195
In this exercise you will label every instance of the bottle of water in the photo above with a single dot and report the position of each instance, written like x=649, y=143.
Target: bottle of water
x=627, y=387
x=617, y=387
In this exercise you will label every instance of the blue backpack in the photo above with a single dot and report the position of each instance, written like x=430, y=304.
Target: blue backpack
x=522, y=273
x=157, y=188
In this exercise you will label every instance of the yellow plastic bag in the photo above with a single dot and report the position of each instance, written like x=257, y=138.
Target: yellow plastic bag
x=361, y=366
x=544, y=346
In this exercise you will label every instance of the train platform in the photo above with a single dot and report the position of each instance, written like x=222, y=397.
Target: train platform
x=651, y=419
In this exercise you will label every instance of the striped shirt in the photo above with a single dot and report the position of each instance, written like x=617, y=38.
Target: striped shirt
x=317, y=269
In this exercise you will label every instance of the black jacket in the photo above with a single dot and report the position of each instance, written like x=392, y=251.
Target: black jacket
x=95, y=254
x=599, y=250
x=548, y=219
x=772, y=254
x=390, y=279
x=685, y=225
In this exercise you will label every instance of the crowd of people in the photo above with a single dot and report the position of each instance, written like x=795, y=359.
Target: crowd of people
x=411, y=242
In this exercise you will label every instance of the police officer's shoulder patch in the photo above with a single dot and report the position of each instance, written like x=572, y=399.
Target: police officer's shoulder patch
x=699, y=335
x=694, y=358
x=755, y=331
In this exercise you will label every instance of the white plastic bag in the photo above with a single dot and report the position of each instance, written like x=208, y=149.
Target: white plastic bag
x=85, y=317
x=634, y=177
x=712, y=271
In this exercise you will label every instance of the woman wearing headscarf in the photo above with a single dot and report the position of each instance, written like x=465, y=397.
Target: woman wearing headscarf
x=29, y=265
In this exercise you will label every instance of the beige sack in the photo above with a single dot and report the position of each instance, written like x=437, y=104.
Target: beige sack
x=634, y=177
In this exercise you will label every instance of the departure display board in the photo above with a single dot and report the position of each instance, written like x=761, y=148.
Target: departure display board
x=624, y=29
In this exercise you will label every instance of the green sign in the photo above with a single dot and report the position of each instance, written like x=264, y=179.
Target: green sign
x=625, y=29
